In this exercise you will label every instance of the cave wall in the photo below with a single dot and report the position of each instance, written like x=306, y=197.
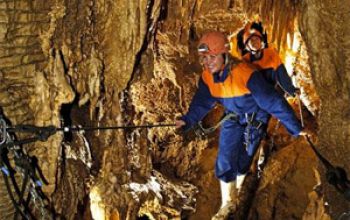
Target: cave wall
x=51, y=54
x=69, y=62
x=323, y=26
x=33, y=83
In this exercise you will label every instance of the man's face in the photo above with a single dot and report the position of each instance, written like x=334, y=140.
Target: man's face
x=254, y=43
x=213, y=63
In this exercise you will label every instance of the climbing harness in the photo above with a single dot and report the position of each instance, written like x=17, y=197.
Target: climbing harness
x=251, y=123
x=32, y=177
x=336, y=176
x=201, y=131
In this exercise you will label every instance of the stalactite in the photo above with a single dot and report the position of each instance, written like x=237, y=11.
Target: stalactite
x=277, y=16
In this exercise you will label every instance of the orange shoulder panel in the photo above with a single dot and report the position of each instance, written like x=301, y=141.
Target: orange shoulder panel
x=246, y=57
x=271, y=59
x=242, y=73
x=235, y=84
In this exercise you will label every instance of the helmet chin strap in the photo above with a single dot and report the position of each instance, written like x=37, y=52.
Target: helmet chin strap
x=226, y=58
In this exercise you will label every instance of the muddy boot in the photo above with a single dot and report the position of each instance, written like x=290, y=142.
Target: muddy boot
x=228, y=203
x=239, y=181
x=241, y=188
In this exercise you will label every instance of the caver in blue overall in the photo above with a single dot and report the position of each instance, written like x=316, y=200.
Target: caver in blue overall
x=272, y=68
x=242, y=90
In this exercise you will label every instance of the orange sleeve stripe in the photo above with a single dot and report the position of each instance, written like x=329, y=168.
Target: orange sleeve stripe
x=235, y=84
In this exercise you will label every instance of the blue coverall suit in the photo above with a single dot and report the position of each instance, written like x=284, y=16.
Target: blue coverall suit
x=244, y=91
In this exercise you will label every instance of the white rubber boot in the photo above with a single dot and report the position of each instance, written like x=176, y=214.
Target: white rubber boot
x=226, y=189
x=239, y=181
x=228, y=200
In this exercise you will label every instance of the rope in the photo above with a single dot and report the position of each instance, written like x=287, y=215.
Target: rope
x=336, y=176
x=67, y=128
x=325, y=162
x=41, y=130
x=43, y=133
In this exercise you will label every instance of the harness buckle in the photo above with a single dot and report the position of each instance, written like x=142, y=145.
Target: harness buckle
x=249, y=119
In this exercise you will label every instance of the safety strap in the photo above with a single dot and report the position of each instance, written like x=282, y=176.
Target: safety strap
x=201, y=131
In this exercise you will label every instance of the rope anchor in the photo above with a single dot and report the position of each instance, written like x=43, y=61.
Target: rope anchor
x=33, y=179
x=336, y=176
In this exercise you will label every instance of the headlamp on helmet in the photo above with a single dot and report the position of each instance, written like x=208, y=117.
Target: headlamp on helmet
x=213, y=43
x=203, y=48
